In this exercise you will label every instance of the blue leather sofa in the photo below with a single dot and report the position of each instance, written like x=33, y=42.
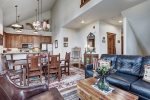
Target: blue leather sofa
x=128, y=73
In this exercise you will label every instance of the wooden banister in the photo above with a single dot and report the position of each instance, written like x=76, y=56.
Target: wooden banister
x=83, y=2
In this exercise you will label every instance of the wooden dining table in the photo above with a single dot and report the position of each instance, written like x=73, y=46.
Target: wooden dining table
x=22, y=63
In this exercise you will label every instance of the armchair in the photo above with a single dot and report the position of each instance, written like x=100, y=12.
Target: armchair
x=11, y=91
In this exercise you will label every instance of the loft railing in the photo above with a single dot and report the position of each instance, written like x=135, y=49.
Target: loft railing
x=83, y=2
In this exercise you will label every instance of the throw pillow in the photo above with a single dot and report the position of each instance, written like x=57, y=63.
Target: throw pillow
x=105, y=63
x=146, y=73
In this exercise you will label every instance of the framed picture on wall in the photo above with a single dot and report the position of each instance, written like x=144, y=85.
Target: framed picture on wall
x=65, y=39
x=1, y=39
x=65, y=44
x=56, y=43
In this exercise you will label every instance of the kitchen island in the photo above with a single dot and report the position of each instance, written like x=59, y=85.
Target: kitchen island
x=19, y=55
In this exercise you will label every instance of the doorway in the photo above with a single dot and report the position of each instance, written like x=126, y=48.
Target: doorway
x=111, y=43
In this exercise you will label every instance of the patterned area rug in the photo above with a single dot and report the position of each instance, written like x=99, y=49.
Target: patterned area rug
x=67, y=84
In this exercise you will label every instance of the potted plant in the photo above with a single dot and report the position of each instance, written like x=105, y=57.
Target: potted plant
x=103, y=71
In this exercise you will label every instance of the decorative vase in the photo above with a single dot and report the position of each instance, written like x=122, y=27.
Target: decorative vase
x=102, y=84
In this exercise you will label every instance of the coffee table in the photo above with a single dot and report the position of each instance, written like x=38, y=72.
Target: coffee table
x=87, y=92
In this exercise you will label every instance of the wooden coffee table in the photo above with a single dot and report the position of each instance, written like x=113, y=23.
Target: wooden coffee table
x=87, y=92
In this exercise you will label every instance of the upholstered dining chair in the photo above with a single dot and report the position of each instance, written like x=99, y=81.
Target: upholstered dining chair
x=34, y=66
x=54, y=66
x=76, y=56
x=65, y=64
x=12, y=72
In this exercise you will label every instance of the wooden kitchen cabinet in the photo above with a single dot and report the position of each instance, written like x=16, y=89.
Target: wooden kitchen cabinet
x=7, y=41
x=24, y=39
x=16, y=40
x=45, y=39
x=12, y=41
x=36, y=41
x=30, y=38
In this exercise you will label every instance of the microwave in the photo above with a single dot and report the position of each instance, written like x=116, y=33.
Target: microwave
x=27, y=46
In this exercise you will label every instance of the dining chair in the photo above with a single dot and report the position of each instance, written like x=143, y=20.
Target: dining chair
x=65, y=64
x=34, y=68
x=13, y=73
x=54, y=66
x=76, y=56
x=44, y=62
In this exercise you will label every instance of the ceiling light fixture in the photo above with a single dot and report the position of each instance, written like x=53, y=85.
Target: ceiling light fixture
x=82, y=21
x=120, y=21
x=39, y=23
x=19, y=29
x=16, y=25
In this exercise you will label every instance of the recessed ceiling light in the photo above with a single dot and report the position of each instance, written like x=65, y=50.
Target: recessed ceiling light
x=120, y=21
x=82, y=21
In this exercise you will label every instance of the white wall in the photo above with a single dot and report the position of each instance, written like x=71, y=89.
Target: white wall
x=1, y=32
x=72, y=41
x=137, y=29
x=104, y=28
x=101, y=28
x=131, y=46
x=62, y=12
x=85, y=31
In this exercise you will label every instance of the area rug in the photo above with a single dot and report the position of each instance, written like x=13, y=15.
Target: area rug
x=68, y=82
x=67, y=85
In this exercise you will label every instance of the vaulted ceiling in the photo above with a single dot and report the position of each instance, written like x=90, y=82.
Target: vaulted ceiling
x=26, y=9
x=107, y=10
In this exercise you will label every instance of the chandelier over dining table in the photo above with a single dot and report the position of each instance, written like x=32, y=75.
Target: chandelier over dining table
x=39, y=24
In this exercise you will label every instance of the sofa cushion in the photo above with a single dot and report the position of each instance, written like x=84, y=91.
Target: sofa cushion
x=121, y=80
x=111, y=58
x=129, y=64
x=141, y=87
x=89, y=73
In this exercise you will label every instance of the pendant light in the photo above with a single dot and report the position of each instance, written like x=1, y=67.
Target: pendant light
x=37, y=23
x=16, y=25
x=19, y=29
x=40, y=24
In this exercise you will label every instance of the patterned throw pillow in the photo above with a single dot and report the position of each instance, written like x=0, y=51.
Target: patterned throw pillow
x=99, y=63
x=146, y=73
x=105, y=63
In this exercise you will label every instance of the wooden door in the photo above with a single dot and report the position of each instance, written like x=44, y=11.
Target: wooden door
x=111, y=42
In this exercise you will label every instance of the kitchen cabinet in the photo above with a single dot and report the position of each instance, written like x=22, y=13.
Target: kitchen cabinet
x=45, y=39
x=36, y=41
x=16, y=40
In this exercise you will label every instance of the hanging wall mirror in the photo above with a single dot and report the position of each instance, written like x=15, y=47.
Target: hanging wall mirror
x=91, y=42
